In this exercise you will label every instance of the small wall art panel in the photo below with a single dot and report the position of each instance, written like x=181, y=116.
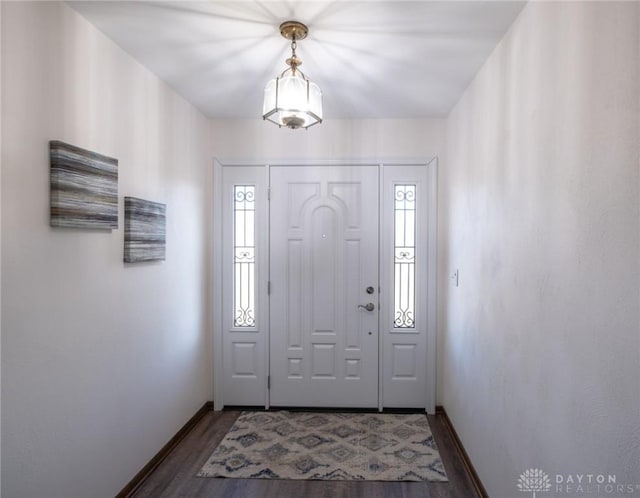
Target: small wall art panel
x=144, y=230
x=84, y=188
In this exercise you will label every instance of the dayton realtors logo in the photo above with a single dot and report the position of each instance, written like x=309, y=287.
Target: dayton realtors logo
x=537, y=481
x=534, y=481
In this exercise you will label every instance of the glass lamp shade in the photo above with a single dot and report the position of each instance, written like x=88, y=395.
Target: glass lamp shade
x=293, y=101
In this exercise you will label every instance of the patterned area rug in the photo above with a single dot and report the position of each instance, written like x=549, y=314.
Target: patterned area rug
x=328, y=446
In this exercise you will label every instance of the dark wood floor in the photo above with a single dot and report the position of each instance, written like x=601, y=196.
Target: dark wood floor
x=175, y=477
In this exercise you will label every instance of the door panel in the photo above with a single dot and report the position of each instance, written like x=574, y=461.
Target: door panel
x=407, y=270
x=323, y=256
x=244, y=316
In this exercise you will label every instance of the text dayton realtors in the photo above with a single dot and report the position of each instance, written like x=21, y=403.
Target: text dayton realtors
x=580, y=483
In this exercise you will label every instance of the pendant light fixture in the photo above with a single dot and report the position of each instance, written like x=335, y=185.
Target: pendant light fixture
x=290, y=99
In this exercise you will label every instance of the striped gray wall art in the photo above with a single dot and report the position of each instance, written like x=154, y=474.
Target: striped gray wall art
x=84, y=188
x=144, y=230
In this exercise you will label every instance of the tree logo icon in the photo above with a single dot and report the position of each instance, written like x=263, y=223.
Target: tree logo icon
x=534, y=481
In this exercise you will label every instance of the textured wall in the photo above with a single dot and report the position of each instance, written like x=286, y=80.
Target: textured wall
x=370, y=139
x=101, y=363
x=540, y=212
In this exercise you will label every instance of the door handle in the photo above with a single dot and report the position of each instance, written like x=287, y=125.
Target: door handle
x=368, y=306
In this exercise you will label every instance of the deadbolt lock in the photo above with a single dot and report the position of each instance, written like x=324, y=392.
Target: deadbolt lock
x=370, y=290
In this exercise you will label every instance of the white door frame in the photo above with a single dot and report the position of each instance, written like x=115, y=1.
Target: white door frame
x=217, y=270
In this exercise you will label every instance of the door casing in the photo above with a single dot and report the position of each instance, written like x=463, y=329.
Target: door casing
x=260, y=172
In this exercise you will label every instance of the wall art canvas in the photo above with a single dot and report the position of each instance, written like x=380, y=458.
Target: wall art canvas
x=84, y=188
x=144, y=230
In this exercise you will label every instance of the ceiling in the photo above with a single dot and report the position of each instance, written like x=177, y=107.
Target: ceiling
x=372, y=59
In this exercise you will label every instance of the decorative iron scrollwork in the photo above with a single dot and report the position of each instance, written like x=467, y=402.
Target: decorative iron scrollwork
x=244, y=256
x=404, y=256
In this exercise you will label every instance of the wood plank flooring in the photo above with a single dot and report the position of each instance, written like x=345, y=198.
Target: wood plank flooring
x=175, y=477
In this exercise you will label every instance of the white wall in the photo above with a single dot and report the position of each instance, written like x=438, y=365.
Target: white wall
x=541, y=216
x=101, y=362
x=371, y=139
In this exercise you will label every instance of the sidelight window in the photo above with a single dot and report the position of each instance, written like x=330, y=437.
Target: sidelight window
x=244, y=260
x=404, y=256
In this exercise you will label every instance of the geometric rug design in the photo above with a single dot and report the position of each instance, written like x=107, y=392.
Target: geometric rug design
x=328, y=446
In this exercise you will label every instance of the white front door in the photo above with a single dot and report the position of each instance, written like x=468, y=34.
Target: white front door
x=292, y=272
x=324, y=286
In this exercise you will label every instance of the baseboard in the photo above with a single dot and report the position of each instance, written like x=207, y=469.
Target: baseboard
x=146, y=471
x=464, y=456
